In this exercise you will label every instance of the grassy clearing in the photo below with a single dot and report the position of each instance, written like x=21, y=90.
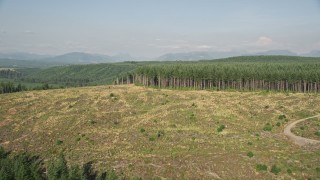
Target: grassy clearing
x=164, y=133
x=308, y=129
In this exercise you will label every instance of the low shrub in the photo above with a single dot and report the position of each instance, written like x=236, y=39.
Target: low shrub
x=142, y=130
x=221, y=128
x=282, y=117
x=275, y=169
x=59, y=142
x=250, y=154
x=267, y=127
x=261, y=167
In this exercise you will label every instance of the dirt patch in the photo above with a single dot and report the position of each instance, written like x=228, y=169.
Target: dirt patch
x=4, y=122
x=12, y=111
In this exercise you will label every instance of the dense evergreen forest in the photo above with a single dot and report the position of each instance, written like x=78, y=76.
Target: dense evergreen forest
x=280, y=73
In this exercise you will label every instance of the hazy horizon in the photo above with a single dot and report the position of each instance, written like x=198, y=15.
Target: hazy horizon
x=153, y=28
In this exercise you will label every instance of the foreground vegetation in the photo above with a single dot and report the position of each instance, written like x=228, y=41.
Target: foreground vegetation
x=153, y=133
x=24, y=167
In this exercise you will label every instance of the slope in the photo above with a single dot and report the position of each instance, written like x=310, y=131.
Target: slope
x=165, y=133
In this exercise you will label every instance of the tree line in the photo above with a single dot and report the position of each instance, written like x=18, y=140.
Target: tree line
x=9, y=87
x=285, y=75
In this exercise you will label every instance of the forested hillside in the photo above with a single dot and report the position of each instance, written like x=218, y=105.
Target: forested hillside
x=9, y=73
x=281, y=73
x=80, y=75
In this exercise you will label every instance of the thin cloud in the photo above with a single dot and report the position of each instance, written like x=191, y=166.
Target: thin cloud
x=29, y=32
x=264, y=41
x=204, y=47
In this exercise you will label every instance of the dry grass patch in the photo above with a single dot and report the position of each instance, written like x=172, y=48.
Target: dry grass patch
x=179, y=137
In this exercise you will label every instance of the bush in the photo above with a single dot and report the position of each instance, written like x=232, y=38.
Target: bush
x=152, y=138
x=267, y=127
x=275, y=170
x=111, y=95
x=221, y=128
x=142, y=130
x=59, y=142
x=317, y=133
x=250, y=154
x=278, y=124
x=192, y=116
x=261, y=167
x=92, y=122
x=282, y=117
x=289, y=171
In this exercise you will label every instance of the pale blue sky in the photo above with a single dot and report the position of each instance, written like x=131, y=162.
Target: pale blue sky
x=154, y=27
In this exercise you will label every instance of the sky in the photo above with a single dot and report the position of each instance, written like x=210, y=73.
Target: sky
x=150, y=28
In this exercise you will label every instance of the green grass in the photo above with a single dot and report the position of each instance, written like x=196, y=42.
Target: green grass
x=138, y=135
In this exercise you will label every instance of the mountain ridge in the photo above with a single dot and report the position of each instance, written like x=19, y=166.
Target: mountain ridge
x=90, y=58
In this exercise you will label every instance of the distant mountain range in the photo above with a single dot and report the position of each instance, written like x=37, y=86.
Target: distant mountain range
x=277, y=52
x=191, y=56
x=314, y=53
x=86, y=58
x=22, y=56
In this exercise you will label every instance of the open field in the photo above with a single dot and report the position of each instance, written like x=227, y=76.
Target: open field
x=165, y=133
